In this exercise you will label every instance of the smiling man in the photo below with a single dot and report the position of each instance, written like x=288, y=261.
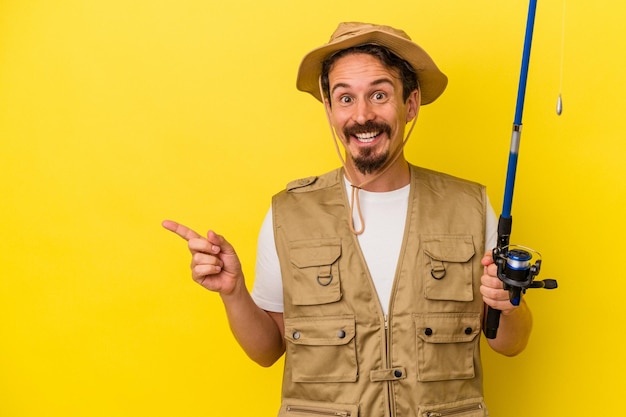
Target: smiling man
x=370, y=278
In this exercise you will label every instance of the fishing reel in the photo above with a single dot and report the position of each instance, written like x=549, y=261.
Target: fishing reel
x=517, y=268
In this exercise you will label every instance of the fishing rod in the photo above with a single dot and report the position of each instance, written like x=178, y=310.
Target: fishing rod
x=517, y=265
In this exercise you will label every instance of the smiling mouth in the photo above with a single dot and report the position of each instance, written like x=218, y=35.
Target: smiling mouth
x=367, y=137
x=368, y=132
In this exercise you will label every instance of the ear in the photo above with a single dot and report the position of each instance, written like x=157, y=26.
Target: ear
x=413, y=105
x=327, y=106
x=329, y=111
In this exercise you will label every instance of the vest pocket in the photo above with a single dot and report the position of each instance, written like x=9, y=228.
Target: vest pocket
x=446, y=345
x=448, y=267
x=315, y=267
x=322, y=348
x=474, y=407
x=293, y=407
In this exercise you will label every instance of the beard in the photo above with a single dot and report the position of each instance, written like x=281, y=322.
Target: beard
x=367, y=161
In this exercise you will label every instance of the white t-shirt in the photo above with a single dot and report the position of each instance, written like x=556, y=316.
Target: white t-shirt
x=384, y=214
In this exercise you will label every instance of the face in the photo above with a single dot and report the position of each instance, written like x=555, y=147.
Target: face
x=367, y=110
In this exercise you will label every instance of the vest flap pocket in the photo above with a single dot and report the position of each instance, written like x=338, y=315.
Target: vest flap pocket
x=320, y=331
x=321, y=349
x=310, y=253
x=315, y=269
x=447, y=327
x=447, y=344
x=448, y=271
x=449, y=248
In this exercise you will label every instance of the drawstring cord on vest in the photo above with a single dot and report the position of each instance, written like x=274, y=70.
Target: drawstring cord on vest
x=354, y=195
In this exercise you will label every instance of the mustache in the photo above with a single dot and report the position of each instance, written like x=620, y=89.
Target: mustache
x=369, y=126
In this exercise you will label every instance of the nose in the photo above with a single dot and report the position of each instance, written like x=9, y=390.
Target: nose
x=363, y=112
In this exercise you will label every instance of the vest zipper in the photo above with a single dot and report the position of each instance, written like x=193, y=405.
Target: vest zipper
x=317, y=411
x=390, y=395
x=454, y=411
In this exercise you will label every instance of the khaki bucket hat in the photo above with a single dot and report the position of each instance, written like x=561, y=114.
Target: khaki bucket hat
x=431, y=80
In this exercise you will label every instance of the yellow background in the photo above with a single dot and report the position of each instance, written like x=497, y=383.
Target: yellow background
x=117, y=114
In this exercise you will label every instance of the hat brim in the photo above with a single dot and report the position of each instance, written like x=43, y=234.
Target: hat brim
x=431, y=80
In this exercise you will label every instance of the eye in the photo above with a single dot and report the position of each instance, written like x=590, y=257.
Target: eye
x=379, y=96
x=345, y=99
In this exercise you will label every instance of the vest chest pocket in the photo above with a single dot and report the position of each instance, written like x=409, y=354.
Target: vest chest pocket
x=446, y=343
x=321, y=349
x=448, y=267
x=315, y=267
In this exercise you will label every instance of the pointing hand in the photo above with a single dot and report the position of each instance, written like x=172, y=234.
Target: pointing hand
x=214, y=263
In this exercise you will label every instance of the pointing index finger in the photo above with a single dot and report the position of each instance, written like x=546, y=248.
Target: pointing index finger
x=181, y=230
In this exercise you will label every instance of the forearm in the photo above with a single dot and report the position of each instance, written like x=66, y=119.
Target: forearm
x=254, y=329
x=513, y=332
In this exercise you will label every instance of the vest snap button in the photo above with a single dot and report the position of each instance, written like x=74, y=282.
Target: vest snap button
x=428, y=331
x=296, y=335
x=341, y=334
x=397, y=373
x=468, y=331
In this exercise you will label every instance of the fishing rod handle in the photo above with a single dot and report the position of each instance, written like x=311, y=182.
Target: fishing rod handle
x=492, y=323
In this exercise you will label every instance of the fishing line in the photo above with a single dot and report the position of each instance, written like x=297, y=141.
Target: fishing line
x=559, y=101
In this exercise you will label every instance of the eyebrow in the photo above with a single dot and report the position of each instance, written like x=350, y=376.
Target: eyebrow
x=372, y=84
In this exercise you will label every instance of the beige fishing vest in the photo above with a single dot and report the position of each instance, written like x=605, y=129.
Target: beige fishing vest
x=344, y=357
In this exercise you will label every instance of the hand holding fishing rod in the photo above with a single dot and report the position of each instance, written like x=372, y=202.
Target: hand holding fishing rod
x=517, y=265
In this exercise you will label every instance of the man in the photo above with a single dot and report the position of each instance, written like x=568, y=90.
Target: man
x=369, y=277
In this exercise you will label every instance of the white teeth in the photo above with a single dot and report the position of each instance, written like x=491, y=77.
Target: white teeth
x=366, y=137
